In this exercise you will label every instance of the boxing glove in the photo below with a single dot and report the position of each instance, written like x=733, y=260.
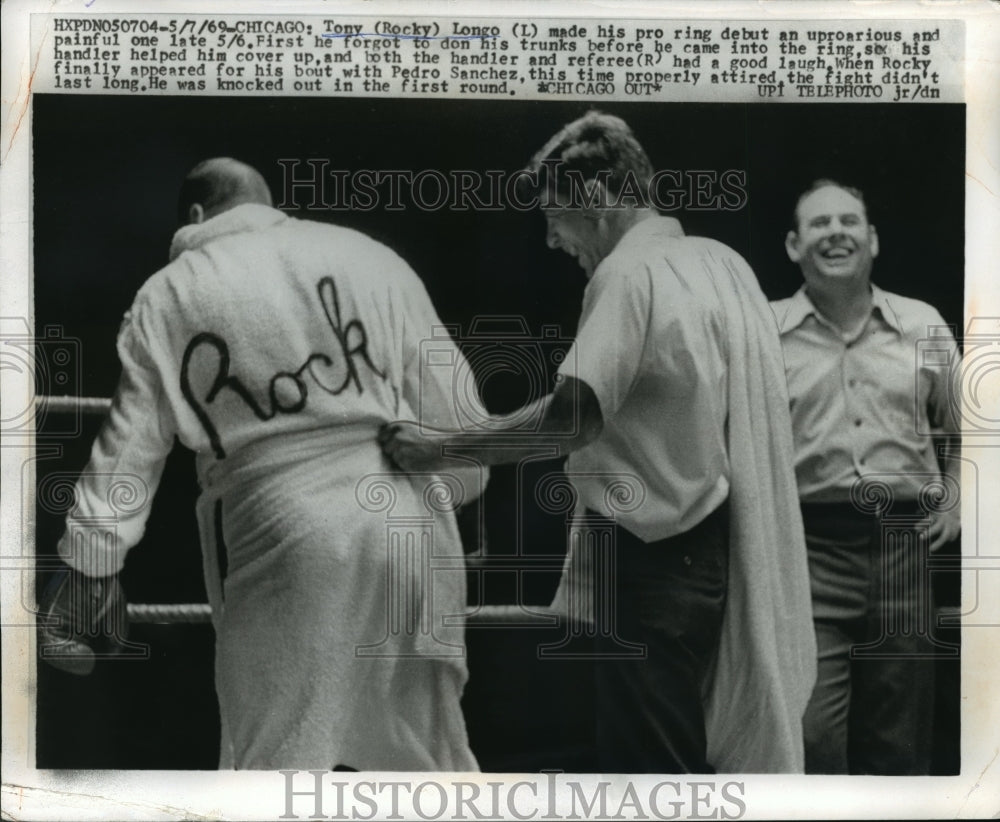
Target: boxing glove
x=81, y=619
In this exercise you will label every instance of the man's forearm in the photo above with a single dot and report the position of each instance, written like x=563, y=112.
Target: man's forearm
x=565, y=420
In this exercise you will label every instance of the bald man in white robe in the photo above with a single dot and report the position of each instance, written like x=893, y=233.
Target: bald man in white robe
x=275, y=348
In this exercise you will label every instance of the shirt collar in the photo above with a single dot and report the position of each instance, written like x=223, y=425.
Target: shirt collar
x=658, y=227
x=880, y=302
x=246, y=217
x=655, y=228
x=800, y=307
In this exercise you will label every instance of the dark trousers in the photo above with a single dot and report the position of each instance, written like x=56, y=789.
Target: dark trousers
x=669, y=598
x=873, y=706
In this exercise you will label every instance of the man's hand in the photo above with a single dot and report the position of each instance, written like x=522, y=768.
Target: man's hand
x=943, y=527
x=80, y=619
x=407, y=445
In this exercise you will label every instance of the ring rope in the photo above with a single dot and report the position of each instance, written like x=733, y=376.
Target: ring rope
x=196, y=613
x=175, y=613
x=92, y=406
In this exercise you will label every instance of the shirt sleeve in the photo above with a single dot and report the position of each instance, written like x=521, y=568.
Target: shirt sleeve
x=611, y=338
x=945, y=390
x=114, y=494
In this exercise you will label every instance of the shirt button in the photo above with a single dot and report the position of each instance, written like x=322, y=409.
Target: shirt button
x=857, y=423
x=852, y=382
x=687, y=560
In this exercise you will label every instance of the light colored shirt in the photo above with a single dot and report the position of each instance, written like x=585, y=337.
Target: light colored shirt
x=651, y=345
x=866, y=405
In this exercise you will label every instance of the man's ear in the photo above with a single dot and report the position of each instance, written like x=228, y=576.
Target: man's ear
x=196, y=214
x=873, y=240
x=792, y=246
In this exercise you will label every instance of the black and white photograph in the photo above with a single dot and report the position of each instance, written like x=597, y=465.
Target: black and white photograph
x=405, y=446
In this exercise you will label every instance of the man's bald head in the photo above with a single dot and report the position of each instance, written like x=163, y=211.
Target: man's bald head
x=217, y=185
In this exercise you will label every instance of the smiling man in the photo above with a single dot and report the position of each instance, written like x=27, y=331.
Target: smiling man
x=674, y=385
x=850, y=359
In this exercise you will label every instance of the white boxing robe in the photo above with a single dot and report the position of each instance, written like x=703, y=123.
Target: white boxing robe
x=275, y=348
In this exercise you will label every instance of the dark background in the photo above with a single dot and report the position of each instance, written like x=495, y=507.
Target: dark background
x=106, y=175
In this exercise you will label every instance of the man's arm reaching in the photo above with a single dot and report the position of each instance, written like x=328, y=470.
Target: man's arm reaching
x=568, y=418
